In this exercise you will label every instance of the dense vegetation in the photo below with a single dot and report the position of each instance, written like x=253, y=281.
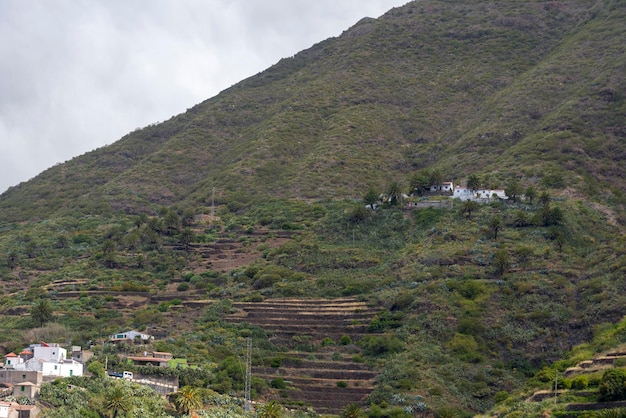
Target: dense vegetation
x=479, y=301
x=531, y=90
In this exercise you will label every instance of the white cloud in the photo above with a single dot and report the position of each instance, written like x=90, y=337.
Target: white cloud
x=78, y=74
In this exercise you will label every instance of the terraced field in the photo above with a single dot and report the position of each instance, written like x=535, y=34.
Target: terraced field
x=317, y=369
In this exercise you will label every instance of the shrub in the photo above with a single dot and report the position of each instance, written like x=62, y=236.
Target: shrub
x=612, y=385
x=342, y=384
x=501, y=396
x=183, y=287
x=345, y=340
x=380, y=344
x=580, y=382
x=278, y=383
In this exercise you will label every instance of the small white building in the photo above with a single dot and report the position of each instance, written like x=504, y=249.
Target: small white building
x=131, y=335
x=479, y=195
x=446, y=186
x=50, y=360
x=4, y=409
x=11, y=360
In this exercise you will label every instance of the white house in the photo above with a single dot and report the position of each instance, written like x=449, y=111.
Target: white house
x=446, y=186
x=485, y=195
x=49, y=352
x=11, y=360
x=131, y=335
x=50, y=360
x=4, y=409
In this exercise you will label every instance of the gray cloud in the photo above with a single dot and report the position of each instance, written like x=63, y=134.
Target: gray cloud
x=79, y=74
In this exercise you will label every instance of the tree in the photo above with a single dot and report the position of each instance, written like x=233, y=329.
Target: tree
x=513, y=190
x=371, y=198
x=271, y=409
x=468, y=207
x=495, y=225
x=41, y=312
x=530, y=193
x=352, y=411
x=12, y=260
x=435, y=177
x=521, y=218
x=501, y=261
x=544, y=198
x=96, y=368
x=613, y=385
x=419, y=183
x=549, y=216
x=557, y=235
x=186, y=238
x=473, y=182
x=188, y=400
x=117, y=400
x=171, y=221
x=108, y=253
x=394, y=193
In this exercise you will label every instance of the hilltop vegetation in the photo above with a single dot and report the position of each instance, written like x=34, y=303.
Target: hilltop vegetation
x=524, y=89
x=272, y=190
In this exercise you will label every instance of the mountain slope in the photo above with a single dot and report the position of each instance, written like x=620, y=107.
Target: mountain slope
x=524, y=88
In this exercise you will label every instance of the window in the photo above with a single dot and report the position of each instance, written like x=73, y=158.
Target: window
x=23, y=388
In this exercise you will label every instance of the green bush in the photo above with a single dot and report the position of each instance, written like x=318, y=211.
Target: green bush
x=613, y=385
x=278, y=383
x=376, y=345
x=580, y=382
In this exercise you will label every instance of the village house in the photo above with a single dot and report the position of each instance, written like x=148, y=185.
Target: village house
x=478, y=195
x=49, y=359
x=446, y=186
x=130, y=336
x=155, y=358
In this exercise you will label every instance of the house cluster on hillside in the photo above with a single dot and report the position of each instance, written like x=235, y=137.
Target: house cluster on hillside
x=22, y=374
x=465, y=193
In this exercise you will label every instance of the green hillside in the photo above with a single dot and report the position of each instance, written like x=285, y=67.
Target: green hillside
x=260, y=196
x=525, y=89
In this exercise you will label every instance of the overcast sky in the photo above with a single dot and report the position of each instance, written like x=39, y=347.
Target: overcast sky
x=79, y=74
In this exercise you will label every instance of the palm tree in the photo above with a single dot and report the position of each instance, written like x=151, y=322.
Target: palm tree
x=117, y=400
x=419, y=183
x=435, y=177
x=271, y=410
x=513, y=190
x=473, y=182
x=394, y=193
x=352, y=411
x=494, y=226
x=468, y=207
x=530, y=194
x=371, y=198
x=41, y=312
x=521, y=218
x=501, y=261
x=188, y=400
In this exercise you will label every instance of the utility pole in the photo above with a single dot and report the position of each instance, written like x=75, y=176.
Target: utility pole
x=556, y=378
x=248, y=373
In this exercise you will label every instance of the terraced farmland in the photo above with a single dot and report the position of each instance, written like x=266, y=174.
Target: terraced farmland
x=317, y=369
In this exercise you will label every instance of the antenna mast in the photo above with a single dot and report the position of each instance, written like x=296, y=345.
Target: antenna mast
x=248, y=372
